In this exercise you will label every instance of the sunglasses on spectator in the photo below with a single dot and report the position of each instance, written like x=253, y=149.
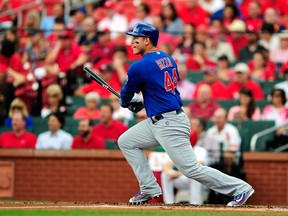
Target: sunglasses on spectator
x=17, y=107
x=53, y=95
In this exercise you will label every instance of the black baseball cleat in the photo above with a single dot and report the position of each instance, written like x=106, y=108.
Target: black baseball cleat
x=141, y=198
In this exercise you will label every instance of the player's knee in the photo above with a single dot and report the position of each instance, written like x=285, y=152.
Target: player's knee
x=121, y=141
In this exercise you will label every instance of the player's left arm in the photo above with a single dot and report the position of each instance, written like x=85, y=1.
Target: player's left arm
x=131, y=85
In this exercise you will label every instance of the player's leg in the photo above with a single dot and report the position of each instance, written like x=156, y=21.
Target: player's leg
x=132, y=143
x=172, y=133
x=196, y=192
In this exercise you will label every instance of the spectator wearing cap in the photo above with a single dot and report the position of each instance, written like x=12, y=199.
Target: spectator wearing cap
x=280, y=55
x=236, y=36
x=63, y=61
x=217, y=48
x=90, y=111
x=204, y=105
x=218, y=88
x=242, y=80
x=184, y=86
x=18, y=137
x=199, y=59
x=55, y=138
x=192, y=12
x=261, y=68
x=172, y=23
x=142, y=15
x=246, y=53
x=114, y=21
x=108, y=128
x=89, y=36
x=66, y=53
x=104, y=68
x=268, y=39
x=86, y=139
x=224, y=72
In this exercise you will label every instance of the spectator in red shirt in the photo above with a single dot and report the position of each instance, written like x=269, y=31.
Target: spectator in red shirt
x=236, y=36
x=90, y=111
x=242, y=80
x=17, y=75
x=192, y=12
x=66, y=53
x=18, y=137
x=86, y=139
x=108, y=128
x=219, y=89
x=64, y=59
x=204, y=106
x=105, y=70
x=199, y=60
x=254, y=17
x=261, y=69
x=103, y=49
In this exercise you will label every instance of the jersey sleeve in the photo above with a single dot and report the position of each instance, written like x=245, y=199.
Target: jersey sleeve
x=132, y=84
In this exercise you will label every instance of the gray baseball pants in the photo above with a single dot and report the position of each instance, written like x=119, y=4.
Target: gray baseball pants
x=172, y=133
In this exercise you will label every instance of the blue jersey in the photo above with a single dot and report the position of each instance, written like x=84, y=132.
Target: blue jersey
x=156, y=76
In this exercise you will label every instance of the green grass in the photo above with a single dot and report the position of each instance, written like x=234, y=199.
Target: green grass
x=124, y=213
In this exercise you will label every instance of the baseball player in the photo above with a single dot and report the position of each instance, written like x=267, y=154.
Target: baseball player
x=156, y=76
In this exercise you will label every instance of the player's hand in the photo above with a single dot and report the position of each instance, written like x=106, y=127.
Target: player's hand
x=135, y=105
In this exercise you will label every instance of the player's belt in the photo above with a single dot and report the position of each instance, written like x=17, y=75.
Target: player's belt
x=159, y=117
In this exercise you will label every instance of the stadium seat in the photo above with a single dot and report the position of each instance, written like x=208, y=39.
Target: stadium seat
x=111, y=144
x=4, y=129
x=71, y=125
x=39, y=125
x=195, y=76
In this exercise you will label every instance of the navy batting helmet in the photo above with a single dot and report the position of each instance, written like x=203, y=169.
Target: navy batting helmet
x=145, y=30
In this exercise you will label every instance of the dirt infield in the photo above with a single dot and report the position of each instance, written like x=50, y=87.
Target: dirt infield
x=125, y=206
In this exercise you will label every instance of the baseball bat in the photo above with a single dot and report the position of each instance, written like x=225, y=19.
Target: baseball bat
x=99, y=80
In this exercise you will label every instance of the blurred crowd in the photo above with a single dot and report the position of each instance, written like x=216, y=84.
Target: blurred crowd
x=237, y=45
